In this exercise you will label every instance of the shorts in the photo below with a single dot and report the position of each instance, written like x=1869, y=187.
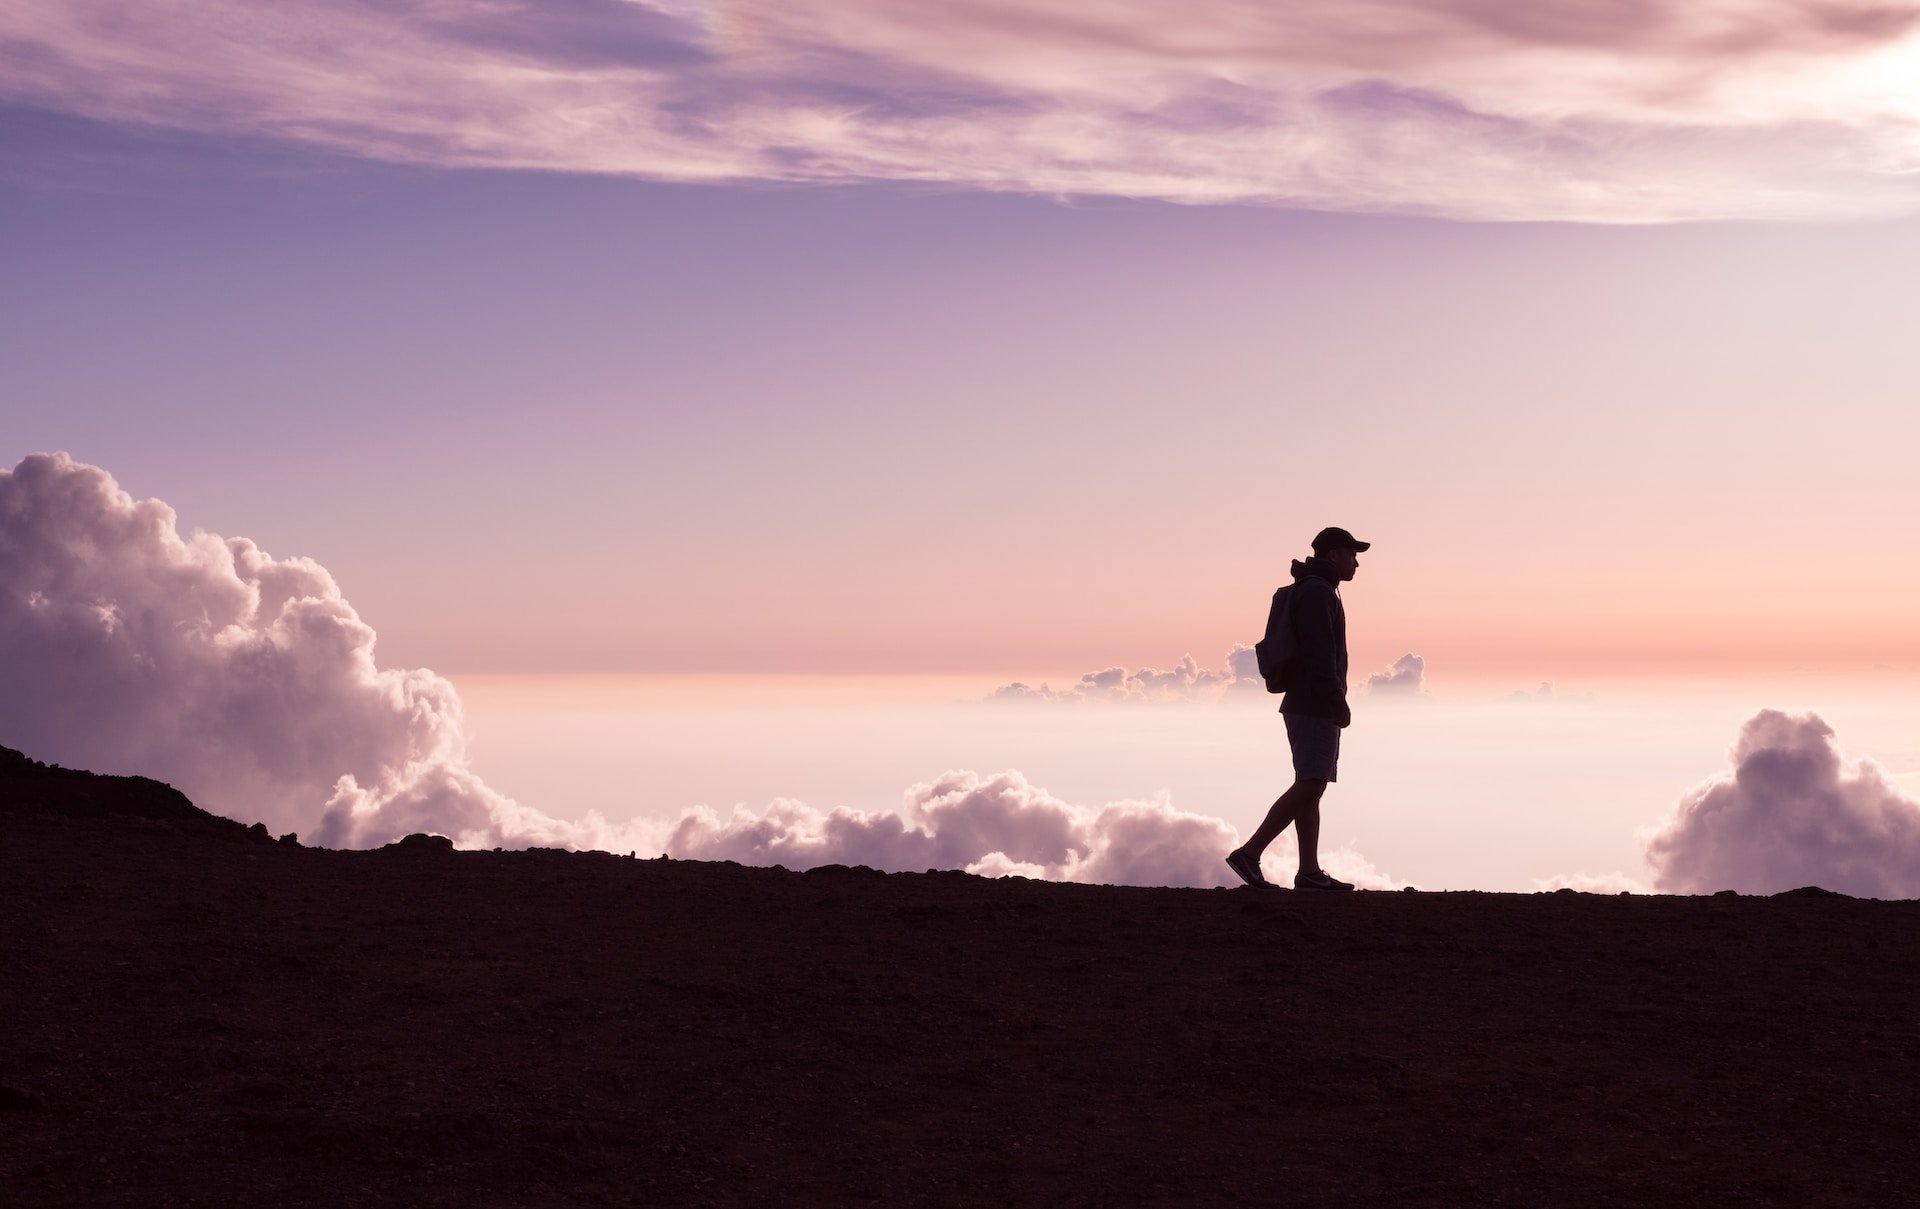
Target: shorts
x=1316, y=747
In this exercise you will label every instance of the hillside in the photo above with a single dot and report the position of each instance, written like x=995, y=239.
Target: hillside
x=199, y=1015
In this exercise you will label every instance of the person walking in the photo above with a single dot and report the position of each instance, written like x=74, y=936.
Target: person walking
x=1315, y=708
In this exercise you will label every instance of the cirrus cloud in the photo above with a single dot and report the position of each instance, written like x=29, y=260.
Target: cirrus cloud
x=1555, y=110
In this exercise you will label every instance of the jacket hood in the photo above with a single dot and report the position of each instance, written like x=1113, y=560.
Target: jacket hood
x=1316, y=568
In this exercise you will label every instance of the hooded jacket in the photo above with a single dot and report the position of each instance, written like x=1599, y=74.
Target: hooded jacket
x=1320, y=628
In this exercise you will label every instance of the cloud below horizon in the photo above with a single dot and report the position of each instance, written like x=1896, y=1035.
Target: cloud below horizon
x=1553, y=111
x=1792, y=811
x=995, y=826
x=246, y=681
x=1188, y=681
x=1185, y=681
x=249, y=683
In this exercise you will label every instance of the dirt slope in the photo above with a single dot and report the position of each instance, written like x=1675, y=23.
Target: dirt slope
x=192, y=1014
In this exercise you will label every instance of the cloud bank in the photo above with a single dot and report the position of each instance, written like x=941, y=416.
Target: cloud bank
x=1562, y=109
x=1791, y=812
x=995, y=826
x=246, y=681
x=1185, y=681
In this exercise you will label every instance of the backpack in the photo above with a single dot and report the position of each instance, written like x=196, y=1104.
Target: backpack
x=1278, y=653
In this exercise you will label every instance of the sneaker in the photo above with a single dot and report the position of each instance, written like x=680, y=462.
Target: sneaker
x=1248, y=868
x=1318, y=880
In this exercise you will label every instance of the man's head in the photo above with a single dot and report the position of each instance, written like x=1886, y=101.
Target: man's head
x=1340, y=548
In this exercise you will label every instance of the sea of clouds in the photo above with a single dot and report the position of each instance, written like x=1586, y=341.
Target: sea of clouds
x=250, y=682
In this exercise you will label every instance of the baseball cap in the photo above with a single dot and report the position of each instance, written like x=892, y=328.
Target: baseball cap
x=1332, y=538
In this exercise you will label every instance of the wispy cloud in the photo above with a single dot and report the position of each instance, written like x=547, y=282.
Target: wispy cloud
x=1556, y=110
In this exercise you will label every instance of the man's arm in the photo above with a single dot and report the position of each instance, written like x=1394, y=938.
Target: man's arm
x=1319, y=662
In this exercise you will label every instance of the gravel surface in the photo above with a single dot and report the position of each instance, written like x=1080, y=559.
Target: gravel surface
x=195, y=1014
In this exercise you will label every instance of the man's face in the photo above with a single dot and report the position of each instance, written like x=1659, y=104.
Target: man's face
x=1345, y=559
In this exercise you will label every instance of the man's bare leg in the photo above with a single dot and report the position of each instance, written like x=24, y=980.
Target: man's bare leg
x=1306, y=829
x=1299, y=805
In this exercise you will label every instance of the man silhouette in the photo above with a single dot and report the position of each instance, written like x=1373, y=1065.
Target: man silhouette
x=1315, y=708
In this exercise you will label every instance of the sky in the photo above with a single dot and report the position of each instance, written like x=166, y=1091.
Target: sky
x=987, y=343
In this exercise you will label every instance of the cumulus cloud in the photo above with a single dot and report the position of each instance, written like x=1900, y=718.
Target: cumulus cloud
x=247, y=681
x=1407, y=677
x=1243, y=667
x=1185, y=681
x=995, y=826
x=1670, y=109
x=1791, y=812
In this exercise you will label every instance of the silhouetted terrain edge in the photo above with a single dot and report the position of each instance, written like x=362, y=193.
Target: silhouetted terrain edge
x=28, y=785
x=193, y=1017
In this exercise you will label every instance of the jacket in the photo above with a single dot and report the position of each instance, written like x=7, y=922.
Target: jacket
x=1320, y=629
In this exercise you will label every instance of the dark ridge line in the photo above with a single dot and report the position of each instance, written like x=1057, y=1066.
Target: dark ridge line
x=29, y=786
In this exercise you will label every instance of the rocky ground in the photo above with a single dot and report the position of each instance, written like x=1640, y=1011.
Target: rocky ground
x=195, y=1014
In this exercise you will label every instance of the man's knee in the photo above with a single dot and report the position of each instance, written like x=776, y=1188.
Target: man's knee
x=1308, y=789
